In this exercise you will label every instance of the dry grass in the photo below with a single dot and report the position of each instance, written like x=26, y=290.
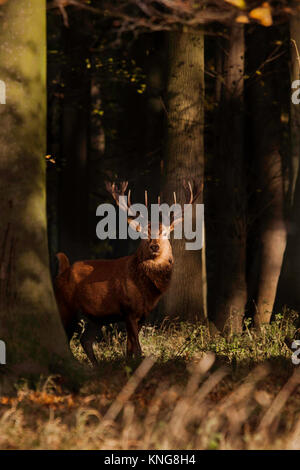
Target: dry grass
x=181, y=398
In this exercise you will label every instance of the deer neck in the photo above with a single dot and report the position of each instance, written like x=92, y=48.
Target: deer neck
x=158, y=270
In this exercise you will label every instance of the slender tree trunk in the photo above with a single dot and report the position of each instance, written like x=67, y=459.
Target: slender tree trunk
x=97, y=147
x=155, y=112
x=97, y=132
x=74, y=184
x=266, y=138
x=288, y=289
x=29, y=320
x=231, y=288
x=54, y=149
x=184, y=159
x=273, y=238
x=295, y=108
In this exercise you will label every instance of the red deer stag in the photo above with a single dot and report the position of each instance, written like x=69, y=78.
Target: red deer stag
x=125, y=289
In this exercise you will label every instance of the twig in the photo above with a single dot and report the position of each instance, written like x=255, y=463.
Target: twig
x=129, y=389
x=297, y=51
x=279, y=402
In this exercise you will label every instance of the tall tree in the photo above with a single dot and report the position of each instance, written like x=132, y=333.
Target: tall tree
x=295, y=109
x=288, y=290
x=231, y=287
x=74, y=198
x=184, y=159
x=265, y=110
x=29, y=320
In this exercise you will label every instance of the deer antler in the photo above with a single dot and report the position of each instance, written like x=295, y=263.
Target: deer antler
x=188, y=186
x=117, y=191
x=190, y=200
x=120, y=190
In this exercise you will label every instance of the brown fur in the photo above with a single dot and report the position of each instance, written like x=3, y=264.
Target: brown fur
x=127, y=289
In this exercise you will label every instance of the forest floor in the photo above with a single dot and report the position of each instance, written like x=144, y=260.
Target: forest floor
x=191, y=391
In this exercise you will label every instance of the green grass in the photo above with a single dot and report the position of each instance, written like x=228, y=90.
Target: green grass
x=172, y=341
x=193, y=391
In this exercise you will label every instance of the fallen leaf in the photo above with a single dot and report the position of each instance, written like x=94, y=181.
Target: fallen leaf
x=4, y=401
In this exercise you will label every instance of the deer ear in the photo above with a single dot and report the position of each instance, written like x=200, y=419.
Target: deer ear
x=134, y=224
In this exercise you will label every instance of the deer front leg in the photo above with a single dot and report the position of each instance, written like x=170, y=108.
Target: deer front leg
x=133, y=344
x=87, y=340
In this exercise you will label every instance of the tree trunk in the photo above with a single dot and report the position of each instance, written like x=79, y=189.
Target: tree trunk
x=273, y=238
x=54, y=115
x=288, y=288
x=155, y=69
x=29, y=320
x=265, y=104
x=74, y=184
x=295, y=108
x=231, y=286
x=184, y=159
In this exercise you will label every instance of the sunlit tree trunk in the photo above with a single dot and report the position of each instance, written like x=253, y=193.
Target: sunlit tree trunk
x=265, y=104
x=184, y=159
x=231, y=287
x=273, y=238
x=29, y=320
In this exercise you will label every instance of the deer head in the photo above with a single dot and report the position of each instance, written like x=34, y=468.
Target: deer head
x=154, y=243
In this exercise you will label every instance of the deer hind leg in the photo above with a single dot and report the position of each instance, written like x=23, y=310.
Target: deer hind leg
x=87, y=340
x=133, y=344
x=68, y=317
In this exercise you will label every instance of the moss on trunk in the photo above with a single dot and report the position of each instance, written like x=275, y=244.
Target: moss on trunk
x=29, y=319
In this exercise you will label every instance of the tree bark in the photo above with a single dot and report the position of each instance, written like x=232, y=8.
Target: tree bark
x=184, y=159
x=74, y=183
x=265, y=101
x=295, y=108
x=288, y=288
x=231, y=286
x=29, y=320
x=273, y=238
